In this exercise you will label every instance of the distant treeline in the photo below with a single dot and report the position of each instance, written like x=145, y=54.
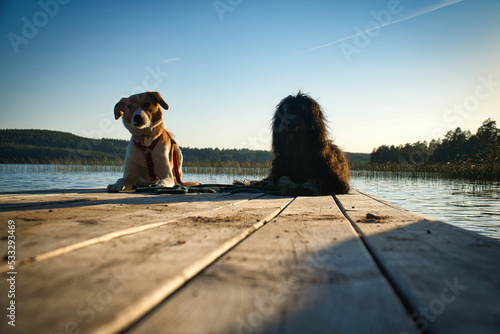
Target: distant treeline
x=55, y=147
x=44, y=147
x=459, y=154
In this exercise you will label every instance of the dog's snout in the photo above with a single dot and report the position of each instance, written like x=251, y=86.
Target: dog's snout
x=137, y=119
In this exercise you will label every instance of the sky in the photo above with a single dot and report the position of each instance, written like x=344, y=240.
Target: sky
x=386, y=72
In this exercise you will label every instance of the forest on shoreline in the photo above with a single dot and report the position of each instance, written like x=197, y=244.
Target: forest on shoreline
x=460, y=154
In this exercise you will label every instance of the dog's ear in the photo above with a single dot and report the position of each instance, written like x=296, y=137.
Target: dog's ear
x=119, y=108
x=160, y=99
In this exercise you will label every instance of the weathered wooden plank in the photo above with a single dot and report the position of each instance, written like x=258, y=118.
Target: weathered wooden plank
x=50, y=232
x=304, y=272
x=104, y=287
x=44, y=199
x=448, y=277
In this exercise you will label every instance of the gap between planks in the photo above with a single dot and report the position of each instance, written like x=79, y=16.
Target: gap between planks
x=305, y=271
x=108, y=237
x=142, y=307
x=74, y=280
x=446, y=277
x=400, y=294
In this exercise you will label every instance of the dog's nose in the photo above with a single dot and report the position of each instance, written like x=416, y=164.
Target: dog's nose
x=137, y=119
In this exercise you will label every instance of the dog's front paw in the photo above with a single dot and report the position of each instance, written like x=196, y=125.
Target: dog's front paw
x=313, y=187
x=142, y=182
x=118, y=186
x=165, y=183
x=114, y=188
x=285, y=181
x=287, y=187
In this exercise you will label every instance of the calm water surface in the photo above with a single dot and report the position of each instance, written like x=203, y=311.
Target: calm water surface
x=473, y=206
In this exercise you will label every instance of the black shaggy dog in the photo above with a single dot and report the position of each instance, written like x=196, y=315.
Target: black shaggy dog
x=305, y=161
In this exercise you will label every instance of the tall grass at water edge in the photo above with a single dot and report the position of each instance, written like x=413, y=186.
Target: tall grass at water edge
x=56, y=168
x=469, y=172
x=465, y=171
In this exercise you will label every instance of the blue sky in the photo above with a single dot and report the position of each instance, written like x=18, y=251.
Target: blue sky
x=385, y=72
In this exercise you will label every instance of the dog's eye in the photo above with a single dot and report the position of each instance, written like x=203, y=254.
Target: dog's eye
x=146, y=105
x=130, y=106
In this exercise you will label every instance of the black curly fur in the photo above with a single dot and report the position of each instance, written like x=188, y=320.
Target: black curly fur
x=305, y=161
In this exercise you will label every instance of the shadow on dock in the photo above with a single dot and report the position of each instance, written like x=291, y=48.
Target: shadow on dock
x=78, y=198
x=425, y=277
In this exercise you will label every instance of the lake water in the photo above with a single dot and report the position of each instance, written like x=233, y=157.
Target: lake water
x=472, y=206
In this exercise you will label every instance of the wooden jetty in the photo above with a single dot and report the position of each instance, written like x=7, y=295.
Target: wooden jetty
x=87, y=261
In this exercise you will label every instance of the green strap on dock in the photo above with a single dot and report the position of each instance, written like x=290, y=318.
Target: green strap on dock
x=208, y=188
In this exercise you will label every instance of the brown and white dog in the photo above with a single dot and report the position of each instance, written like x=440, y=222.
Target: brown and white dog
x=153, y=157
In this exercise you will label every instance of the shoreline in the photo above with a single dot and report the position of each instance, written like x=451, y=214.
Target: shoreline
x=463, y=171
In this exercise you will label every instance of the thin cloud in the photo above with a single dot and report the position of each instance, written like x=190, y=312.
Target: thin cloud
x=491, y=69
x=423, y=11
x=170, y=60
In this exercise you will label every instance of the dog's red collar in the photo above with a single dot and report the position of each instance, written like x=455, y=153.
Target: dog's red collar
x=149, y=157
x=142, y=147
